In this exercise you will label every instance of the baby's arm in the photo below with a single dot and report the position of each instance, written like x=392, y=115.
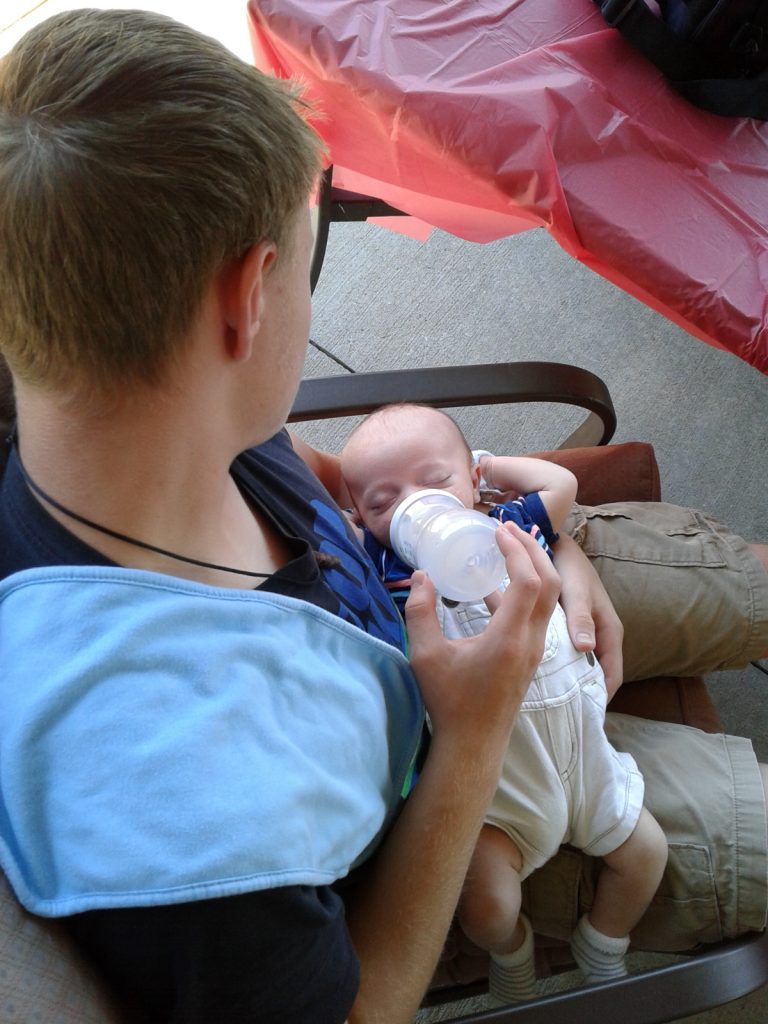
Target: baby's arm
x=518, y=475
x=326, y=467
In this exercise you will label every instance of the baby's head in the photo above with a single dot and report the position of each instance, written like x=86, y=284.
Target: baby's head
x=400, y=449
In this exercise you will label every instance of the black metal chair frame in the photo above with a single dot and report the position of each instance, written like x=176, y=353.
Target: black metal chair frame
x=705, y=980
x=336, y=205
x=456, y=386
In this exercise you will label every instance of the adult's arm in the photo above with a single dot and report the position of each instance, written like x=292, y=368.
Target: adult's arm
x=593, y=624
x=472, y=689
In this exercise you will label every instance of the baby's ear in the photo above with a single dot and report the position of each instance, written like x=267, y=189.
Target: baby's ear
x=356, y=522
x=353, y=514
x=476, y=475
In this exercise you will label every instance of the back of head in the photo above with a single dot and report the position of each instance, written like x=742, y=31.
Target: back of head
x=136, y=158
x=404, y=420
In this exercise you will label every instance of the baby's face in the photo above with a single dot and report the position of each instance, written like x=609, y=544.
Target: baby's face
x=405, y=451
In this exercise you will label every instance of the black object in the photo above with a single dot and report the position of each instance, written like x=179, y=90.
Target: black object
x=713, y=52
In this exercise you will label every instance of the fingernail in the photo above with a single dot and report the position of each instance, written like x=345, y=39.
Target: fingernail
x=584, y=638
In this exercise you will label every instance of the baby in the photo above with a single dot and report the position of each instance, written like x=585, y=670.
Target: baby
x=562, y=781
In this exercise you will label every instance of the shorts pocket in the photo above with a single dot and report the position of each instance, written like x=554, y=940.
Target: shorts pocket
x=684, y=912
x=653, y=533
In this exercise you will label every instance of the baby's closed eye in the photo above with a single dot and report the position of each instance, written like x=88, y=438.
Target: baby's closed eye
x=437, y=480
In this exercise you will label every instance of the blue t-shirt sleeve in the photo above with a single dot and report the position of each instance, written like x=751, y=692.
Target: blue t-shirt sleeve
x=527, y=511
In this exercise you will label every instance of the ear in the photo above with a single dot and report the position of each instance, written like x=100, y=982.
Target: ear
x=475, y=474
x=244, y=298
x=356, y=523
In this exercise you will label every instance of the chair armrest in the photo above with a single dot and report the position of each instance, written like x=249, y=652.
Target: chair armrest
x=716, y=977
x=453, y=386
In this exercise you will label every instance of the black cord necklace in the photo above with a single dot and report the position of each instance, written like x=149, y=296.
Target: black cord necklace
x=36, y=489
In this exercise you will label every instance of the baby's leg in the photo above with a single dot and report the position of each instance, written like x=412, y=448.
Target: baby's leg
x=489, y=914
x=489, y=908
x=629, y=878
x=627, y=883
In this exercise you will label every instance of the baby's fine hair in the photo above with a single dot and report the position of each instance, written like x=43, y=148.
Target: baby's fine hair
x=381, y=415
x=136, y=158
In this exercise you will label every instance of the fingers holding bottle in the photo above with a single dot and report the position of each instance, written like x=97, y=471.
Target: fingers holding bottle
x=475, y=685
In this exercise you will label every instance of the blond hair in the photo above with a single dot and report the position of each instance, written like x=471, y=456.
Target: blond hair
x=136, y=158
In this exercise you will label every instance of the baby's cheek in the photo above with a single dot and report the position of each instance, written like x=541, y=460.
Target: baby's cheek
x=381, y=531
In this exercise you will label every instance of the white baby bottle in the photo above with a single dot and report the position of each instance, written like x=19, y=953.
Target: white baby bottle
x=454, y=545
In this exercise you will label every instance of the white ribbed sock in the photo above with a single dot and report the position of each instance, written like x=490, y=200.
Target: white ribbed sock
x=512, y=976
x=600, y=957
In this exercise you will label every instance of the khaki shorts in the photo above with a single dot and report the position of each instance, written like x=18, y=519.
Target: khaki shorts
x=693, y=599
x=706, y=793
x=691, y=595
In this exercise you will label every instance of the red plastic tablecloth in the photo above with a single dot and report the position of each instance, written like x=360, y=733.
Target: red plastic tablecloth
x=489, y=117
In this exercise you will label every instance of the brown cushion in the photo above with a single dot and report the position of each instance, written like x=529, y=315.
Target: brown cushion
x=669, y=699
x=614, y=472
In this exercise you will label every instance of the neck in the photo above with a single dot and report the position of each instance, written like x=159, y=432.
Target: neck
x=151, y=468
x=142, y=444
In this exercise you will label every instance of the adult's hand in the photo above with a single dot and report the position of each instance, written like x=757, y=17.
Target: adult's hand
x=476, y=684
x=593, y=624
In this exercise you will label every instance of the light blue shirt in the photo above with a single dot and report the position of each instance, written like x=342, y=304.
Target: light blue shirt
x=164, y=741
